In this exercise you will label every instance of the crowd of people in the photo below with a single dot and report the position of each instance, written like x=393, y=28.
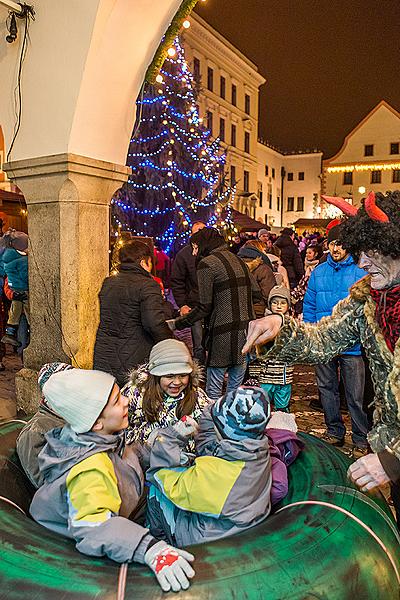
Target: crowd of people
x=141, y=457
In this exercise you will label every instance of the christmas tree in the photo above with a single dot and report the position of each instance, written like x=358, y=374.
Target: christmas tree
x=178, y=169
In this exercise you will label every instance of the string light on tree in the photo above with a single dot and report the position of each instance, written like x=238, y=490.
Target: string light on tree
x=178, y=169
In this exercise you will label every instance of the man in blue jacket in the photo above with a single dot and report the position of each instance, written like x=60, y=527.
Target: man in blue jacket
x=329, y=283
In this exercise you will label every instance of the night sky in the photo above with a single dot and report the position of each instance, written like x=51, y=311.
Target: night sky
x=327, y=63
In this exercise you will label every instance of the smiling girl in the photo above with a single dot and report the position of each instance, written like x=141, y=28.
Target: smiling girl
x=163, y=391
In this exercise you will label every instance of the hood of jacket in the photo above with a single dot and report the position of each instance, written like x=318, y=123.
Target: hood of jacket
x=252, y=263
x=64, y=448
x=138, y=376
x=248, y=252
x=210, y=443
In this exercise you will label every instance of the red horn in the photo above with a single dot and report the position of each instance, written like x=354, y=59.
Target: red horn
x=345, y=207
x=373, y=211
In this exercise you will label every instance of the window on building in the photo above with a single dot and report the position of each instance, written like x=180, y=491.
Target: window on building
x=210, y=79
x=222, y=87
x=246, y=181
x=300, y=203
x=394, y=148
x=196, y=69
x=233, y=175
x=396, y=176
x=266, y=170
x=247, y=142
x=234, y=94
x=376, y=176
x=209, y=117
x=270, y=196
x=290, y=204
x=247, y=104
x=222, y=129
x=368, y=150
x=273, y=173
x=233, y=135
x=348, y=178
x=290, y=176
x=301, y=175
x=278, y=203
x=260, y=193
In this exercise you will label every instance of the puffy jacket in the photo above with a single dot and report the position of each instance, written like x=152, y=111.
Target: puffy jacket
x=89, y=492
x=329, y=283
x=132, y=320
x=183, y=280
x=226, y=491
x=14, y=265
x=291, y=259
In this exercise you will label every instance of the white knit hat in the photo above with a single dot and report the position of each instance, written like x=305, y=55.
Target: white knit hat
x=78, y=396
x=170, y=357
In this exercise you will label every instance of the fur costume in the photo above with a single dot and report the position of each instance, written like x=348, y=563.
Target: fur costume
x=353, y=321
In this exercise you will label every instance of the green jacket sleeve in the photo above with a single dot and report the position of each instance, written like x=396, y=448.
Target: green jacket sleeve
x=314, y=343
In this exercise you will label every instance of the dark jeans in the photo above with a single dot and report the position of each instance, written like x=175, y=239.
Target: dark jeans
x=197, y=339
x=353, y=374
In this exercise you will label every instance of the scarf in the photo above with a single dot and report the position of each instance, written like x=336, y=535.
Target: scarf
x=387, y=313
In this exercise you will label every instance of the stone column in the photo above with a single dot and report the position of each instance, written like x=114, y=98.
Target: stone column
x=68, y=198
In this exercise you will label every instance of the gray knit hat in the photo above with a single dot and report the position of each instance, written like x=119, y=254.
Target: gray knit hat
x=170, y=357
x=279, y=291
x=78, y=396
x=261, y=232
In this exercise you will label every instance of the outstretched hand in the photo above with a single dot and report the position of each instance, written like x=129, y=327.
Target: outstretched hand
x=261, y=331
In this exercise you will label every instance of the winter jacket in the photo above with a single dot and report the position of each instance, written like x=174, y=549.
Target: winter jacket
x=132, y=320
x=139, y=427
x=329, y=283
x=291, y=259
x=183, y=280
x=14, y=265
x=226, y=304
x=227, y=490
x=89, y=492
x=265, y=278
x=353, y=321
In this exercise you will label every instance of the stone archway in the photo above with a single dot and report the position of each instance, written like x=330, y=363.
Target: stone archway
x=83, y=71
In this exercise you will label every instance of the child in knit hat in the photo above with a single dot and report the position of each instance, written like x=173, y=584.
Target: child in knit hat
x=163, y=391
x=92, y=483
x=273, y=376
x=227, y=489
x=14, y=266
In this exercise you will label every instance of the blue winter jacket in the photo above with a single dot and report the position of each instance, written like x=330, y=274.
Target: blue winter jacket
x=329, y=283
x=15, y=266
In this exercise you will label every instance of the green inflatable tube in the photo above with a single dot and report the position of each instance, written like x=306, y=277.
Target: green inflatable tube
x=326, y=540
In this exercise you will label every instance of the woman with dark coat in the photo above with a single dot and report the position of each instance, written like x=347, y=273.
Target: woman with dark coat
x=259, y=265
x=132, y=315
x=290, y=256
x=226, y=305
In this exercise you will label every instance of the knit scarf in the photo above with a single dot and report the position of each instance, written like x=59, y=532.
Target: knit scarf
x=387, y=314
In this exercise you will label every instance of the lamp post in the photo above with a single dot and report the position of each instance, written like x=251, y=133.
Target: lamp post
x=283, y=174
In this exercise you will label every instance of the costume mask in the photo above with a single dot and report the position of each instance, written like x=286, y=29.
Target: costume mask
x=384, y=270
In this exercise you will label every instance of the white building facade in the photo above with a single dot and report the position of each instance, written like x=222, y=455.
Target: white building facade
x=228, y=101
x=369, y=159
x=229, y=97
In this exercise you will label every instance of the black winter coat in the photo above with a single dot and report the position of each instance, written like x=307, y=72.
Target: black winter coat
x=132, y=320
x=226, y=291
x=291, y=259
x=183, y=280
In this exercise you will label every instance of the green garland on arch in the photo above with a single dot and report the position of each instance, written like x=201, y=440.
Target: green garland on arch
x=176, y=24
